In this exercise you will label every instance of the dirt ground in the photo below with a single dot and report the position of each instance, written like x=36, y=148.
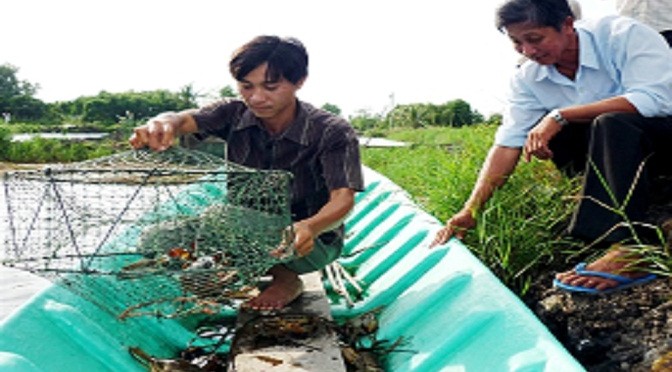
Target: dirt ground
x=4, y=166
x=629, y=330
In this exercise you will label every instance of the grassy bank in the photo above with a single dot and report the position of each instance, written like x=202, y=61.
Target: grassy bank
x=42, y=150
x=519, y=231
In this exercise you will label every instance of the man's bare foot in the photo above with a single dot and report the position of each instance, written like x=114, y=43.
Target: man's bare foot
x=285, y=287
x=615, y=261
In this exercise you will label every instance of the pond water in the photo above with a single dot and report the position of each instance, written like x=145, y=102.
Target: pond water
x=65, y=136
x=380, y=142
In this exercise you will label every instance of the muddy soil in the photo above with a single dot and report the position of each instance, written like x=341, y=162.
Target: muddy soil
x=629, y=330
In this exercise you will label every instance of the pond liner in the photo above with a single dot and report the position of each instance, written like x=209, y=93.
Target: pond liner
x=442, y=306
x=446, y=309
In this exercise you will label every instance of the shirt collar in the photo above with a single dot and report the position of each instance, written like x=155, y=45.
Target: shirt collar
x=294, y=132
x=587, y=50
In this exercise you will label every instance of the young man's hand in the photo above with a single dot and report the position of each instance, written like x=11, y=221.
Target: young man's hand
x=158, y=134
x=304, y=239
x=298, y=239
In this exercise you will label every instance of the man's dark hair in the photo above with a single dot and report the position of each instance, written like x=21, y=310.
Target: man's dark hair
x=286, y=57
x=543, y=13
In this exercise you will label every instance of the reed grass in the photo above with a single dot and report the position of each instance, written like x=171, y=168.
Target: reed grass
x=520, y=231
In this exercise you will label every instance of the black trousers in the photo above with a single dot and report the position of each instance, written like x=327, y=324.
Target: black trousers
x=668, y=36
x=619, y=155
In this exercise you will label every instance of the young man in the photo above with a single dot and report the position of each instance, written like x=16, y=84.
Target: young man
x=595, y=99
x=271, y=129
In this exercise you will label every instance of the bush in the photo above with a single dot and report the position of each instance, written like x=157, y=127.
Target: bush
x=5, y=142
x=40, y=150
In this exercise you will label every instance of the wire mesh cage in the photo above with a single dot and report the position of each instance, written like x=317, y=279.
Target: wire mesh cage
x=142, y=232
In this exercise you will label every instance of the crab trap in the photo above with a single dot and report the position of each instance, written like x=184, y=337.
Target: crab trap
x=163, y=233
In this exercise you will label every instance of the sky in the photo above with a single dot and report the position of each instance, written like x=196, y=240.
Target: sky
x=364, y=55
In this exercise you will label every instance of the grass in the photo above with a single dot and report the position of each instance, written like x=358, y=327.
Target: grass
x=521, y=229
x=41, y=150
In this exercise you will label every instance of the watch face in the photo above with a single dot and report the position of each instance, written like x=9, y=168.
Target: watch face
x=558, y=118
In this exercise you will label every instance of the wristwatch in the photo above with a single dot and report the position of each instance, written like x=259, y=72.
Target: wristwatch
x=557, y=116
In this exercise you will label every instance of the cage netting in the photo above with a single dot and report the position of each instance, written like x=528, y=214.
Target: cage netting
x=142, y=232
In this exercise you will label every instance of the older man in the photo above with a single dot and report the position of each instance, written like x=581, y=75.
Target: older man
x=596, y=99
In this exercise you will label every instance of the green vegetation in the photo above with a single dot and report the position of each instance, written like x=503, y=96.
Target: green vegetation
x=456, y=113
x=17, y=100
x=112, y=113
x=41, y=150
x=16, y=96
x=513, y=237
x=516, y=237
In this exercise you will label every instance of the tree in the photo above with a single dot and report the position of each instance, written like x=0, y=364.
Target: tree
x=416, y=115
x=495, y=119
x=16, y=96
x=458, y=113
x=109, y=108
x=454, y=113
x=25, y=107
x=11, y=86
x=189, y=95
x=477, y=117
x=331, y=108
x=228, y=92
x=5, y=142
x=364, y=120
